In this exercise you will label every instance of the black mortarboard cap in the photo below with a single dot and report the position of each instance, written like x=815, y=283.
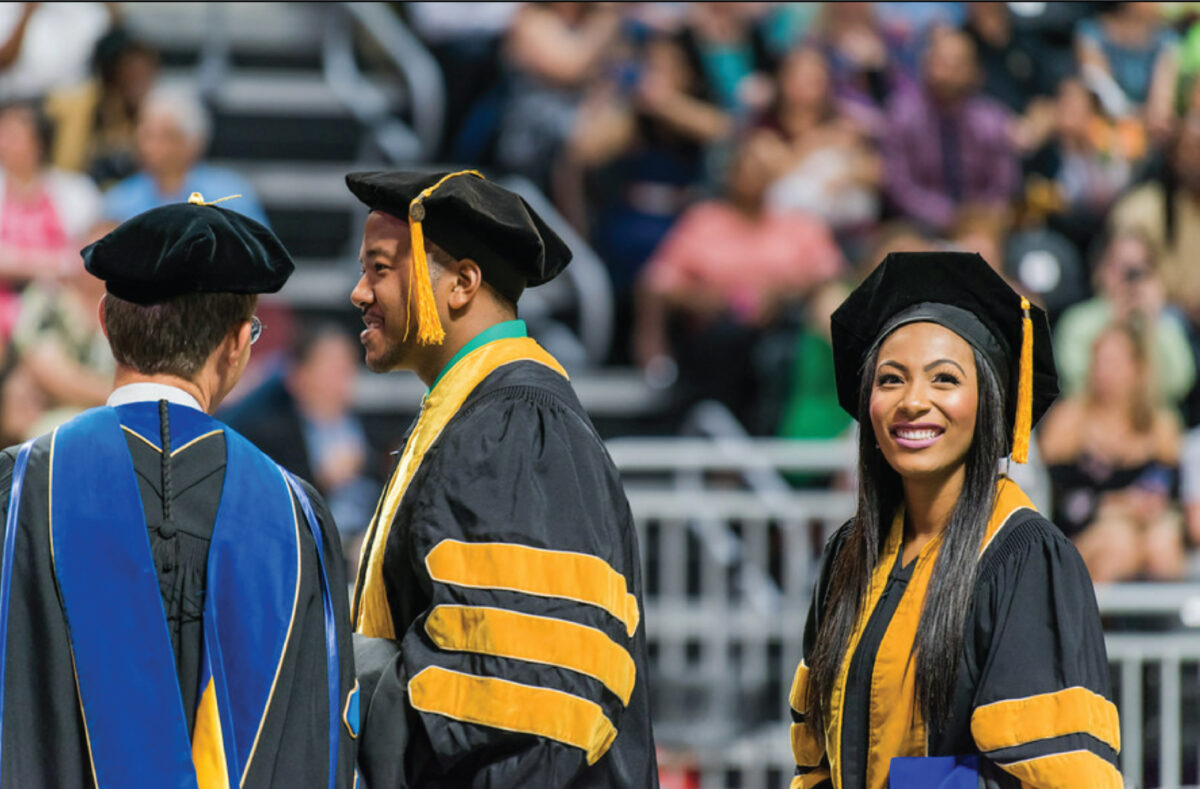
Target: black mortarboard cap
x=471, y=217
x=960, y=291
x=192, y=247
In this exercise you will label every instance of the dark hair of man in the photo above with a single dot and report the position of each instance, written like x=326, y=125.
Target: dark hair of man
x=880, y=492
x=308, y=336
x=176, y=336
x=440, y=260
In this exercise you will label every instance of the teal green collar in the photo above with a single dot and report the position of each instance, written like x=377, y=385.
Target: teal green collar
x=501, y=331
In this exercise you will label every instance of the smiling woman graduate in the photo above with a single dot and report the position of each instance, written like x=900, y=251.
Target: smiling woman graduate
x=953, y=630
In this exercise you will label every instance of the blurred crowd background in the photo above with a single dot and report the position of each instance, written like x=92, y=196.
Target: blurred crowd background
x=737, y=168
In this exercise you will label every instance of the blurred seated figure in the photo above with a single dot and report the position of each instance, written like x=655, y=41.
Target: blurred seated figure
x=727, y=47
x=866, y=61
x=1130, y=57
x=832, y=173
x=811, y=409
x=723, y=272
x=96, y=123
x=172, y=134
x=22, y=401
x=1128, y=289
x=302, y=418
x=1167, y=209
x=1075, y=176
x=60, y=342
x=43, y=211
x=1113, y=456
x=46, y=46
x=552, y=53
x=947, y=144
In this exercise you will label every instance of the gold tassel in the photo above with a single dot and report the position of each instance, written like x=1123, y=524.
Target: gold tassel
x=1024, y=420
x=429, y=325
x=195, y=198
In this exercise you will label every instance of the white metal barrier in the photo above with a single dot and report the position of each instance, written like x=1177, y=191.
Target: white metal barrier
x=729, y=560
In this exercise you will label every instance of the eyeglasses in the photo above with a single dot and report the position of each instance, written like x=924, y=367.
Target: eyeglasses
x=256, y=329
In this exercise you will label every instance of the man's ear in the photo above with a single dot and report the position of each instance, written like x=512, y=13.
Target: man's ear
x=237, y=342
x=100, y=313
x=468, y=279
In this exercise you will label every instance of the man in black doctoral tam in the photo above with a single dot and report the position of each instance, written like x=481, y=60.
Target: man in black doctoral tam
x=173, y=605
x=502, y=557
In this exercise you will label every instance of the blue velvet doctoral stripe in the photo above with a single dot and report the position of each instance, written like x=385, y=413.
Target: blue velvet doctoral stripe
x=332, y=667
x=123, y=659
x=253, y=577
x=12, y=518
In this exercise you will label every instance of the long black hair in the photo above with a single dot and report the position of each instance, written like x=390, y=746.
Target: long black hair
x=880, y=493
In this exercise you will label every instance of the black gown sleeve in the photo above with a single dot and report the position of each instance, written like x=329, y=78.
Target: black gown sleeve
x=523, y=668
x=1042, y=709
x=812, y=764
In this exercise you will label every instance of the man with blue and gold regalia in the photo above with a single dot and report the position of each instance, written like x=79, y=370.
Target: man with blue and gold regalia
x=172, y=604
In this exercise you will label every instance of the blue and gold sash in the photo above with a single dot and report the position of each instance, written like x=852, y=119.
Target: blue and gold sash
x=124, y=666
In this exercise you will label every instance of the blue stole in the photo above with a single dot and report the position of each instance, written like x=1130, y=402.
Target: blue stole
x=124, y=665
x=934, y=772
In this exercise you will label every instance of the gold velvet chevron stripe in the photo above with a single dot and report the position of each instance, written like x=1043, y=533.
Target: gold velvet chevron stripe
x=538, y=639
x=536, y=571
x=1074, y=768
x=511, y=706
x=1004, y=724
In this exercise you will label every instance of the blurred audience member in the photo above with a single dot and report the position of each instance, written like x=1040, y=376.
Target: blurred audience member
x=172, y=134
x=43, y=211
x=1075, y=176
x=96, y=123
x=59, y=339
x=832, y=172
x=811, y=409
x=1128, y=290
x=22, y=402
x=1007, y=57
x=723, y=272
x=553, y=52
x=303, y=419
x=1167, y=209
x=1113, y=456
x=894, y=236
x=947, y=145
x=45, y=46
x=866, y=61
x=1130, y=57
x=726, y=46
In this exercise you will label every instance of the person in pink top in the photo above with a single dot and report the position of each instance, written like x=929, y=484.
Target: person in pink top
x=726, y=270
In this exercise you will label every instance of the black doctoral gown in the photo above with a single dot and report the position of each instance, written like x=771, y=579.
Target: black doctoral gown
x=513, y=586
x=44, y=739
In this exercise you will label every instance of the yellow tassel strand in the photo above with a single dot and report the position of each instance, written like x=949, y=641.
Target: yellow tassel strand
x=195, y=198
x=1024, y=420
x=429, y=325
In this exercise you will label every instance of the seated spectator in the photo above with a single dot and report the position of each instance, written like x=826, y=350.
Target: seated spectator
x=60, y=342
x=303, y=419
x=22, y=402
x=832, y=173
x=96, y=123
x=1088, y=160
x=46, y=46
x=724, y=272
x=43, y=211
x=1128, y=289
x=947, y=145
x=172, y=134
x=1130, y=58
x=1007, y=56
x=1167, y=210
x=866, y=61
x=811, y=410
x=552, y=53
x=726, y=46
x=1113, y=458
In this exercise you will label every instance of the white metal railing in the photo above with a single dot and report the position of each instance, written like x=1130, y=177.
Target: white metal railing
x=729, y=563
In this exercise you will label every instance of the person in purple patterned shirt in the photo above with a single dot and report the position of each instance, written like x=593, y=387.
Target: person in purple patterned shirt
x=947, y=145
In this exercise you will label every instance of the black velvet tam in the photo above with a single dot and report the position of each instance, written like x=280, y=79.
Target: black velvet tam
x=471, y=217
x=958, y=290
x=188, y=248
